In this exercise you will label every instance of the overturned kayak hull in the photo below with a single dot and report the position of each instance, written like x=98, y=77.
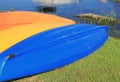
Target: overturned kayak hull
x=50, y=49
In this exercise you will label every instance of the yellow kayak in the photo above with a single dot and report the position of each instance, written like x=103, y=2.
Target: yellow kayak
x=12, y=32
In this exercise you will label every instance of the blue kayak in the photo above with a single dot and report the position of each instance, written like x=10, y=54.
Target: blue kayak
x=50, y=49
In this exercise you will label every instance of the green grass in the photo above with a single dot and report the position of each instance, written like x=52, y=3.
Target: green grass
x=101, y=66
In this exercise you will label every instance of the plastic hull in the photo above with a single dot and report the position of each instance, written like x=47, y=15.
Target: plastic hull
x=18, y=18
x=51, y=49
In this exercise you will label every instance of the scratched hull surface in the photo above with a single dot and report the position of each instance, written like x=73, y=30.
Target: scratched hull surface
x=51, y=49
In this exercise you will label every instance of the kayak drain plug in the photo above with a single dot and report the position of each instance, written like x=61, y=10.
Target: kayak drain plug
x=10, y=56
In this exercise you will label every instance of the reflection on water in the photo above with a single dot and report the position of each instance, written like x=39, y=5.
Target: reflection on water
x=55, y=2
x=66, y=8
x=46, y=9
x=103, y=1
x=48, y=6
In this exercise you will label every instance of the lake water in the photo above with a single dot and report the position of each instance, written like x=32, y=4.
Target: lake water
x=68, y=8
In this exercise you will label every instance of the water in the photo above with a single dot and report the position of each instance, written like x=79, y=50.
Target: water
x=68, y=8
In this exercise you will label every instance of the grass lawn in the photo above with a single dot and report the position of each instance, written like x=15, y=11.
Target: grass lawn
x=101, y=66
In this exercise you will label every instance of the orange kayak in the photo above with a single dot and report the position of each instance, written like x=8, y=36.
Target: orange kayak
x=17, y=18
